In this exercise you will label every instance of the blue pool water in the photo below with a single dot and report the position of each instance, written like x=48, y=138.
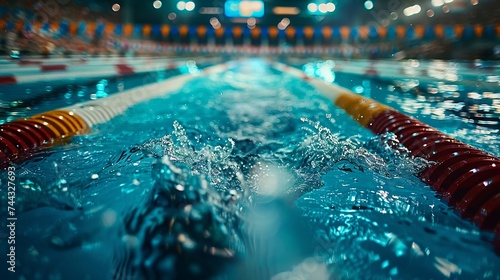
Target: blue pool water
x=247, y=174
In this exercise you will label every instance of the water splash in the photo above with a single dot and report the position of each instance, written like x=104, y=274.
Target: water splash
x=383, y=154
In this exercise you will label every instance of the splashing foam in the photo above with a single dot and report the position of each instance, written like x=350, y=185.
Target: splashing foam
x=201, y=214
x=383, y=154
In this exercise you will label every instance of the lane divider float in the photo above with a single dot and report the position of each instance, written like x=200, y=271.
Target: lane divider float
x=20, y=139
x=467, y=178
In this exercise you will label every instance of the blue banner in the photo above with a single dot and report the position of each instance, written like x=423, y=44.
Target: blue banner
x=429, y=33
x=264, y=32
x=354, y=32
x=318, y=32
x=82, y=26
x=372, y=32
x=99, y=30
x=336, y=32
x=391, y=32
x=468, y=32
x=299, y=32
x=118, y=30
x=156, y=30
x=449, y=32
x=137, y=30
x=63, y=28
x=193, y=31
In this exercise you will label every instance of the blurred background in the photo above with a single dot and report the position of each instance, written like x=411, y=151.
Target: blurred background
x=374, y=29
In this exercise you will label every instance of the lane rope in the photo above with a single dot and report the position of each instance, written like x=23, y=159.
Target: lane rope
x=20, y=139
x=466, y=177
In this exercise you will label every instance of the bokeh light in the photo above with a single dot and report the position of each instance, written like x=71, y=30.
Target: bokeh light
x=157, y=4
x=368, y=5
x=116, y=7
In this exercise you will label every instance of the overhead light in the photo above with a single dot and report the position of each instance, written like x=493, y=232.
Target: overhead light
x=214, y=21
x=284, y=23
x=172, y=16
x=412, y=10
x=323, y=8
x=312, y=7
x=330, y=7
x=430, y=13
x=190, y=6
x=437, y=3
x=211, y=11
x=115, y=7
x=157, y=4
x=474, y=2
x=181, y=5
x=251, y=21
x=368, y=5
x=286, y=10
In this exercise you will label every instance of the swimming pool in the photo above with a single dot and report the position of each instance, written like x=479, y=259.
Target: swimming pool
x=249, y=174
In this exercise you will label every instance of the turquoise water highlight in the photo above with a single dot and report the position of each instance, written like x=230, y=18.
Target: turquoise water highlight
x=247, y=174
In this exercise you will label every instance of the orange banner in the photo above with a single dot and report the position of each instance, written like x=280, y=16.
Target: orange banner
x=401, y=31
x=439, y=31
x=165, y=30
x=73, y=28
x=273, y=32
x=344, y=32
x=459, y=30
x=237, y=31
x=19, y=25
x=37, y=25
x=478, y=30
x=90, y=28
x=327, y=32
x=363, y=32
x=109, y=28
x=54, y=25
x=419, y=31
x=146, y=30
x=290, y=32
x=219, y=32
x=183, y=30
x=308, y=32
x=128, y=29
x=382, y=32
x=202, y=30
x=255, y=33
